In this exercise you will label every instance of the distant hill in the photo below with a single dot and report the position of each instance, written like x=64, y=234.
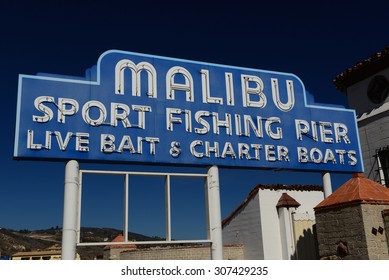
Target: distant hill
x=12, y=241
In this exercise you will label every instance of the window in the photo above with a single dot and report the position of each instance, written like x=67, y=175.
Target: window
x=378, y=89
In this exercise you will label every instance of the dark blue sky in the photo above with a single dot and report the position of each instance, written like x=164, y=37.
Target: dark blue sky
x=313, y=40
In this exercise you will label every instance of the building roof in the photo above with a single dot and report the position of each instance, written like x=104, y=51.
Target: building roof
x=362, y=70
x=37, y=253
x=274, y=187
x=120, y=238
x=287, y=201
x=357, y=190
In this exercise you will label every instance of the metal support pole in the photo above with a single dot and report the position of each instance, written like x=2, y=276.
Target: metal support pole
x=327, y=187
x=168, y=209
x=215, y=213
x=125, y=222
x=69, y=229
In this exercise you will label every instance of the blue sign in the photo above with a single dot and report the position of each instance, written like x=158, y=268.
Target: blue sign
x=142, y=108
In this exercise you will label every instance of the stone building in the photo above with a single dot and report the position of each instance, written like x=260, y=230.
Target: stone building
x=353, y=222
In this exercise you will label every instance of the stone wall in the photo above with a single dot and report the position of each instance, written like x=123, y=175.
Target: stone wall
x=385, y=216
x=334, y=225
x=357, y=226
x=232, y=252
x=376, y=241
x=113, y=253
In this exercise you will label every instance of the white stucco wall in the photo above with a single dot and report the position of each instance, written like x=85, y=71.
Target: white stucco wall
x=270, y=221
x=373, y=123
x=245, y=228
x=357, y=95
x=257, y=225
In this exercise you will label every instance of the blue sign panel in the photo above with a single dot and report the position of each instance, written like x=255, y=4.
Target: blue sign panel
x=149, y=109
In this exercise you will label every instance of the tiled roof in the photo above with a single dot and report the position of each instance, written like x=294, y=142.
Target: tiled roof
x=37, y=253
x=287, y=201
x=363, y=69
x=276, y=187
x=357, y=190
x=273, y=187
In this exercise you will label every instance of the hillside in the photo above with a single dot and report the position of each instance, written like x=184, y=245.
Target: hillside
x=12, y=241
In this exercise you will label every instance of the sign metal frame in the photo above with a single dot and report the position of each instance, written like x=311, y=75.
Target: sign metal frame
x=150, y=109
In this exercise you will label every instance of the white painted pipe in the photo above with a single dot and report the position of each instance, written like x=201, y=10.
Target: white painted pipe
x=327, y=186
x=215, y=214
x=69, y=228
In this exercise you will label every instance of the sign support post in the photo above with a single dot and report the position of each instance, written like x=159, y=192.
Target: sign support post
x=213, y=188
x=69, y=228
x=327, y=186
